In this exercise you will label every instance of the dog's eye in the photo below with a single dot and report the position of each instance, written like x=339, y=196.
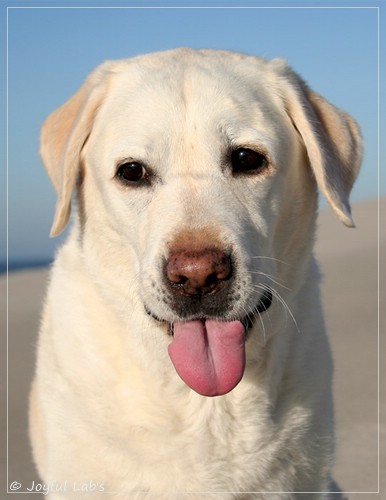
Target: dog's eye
x=131, y=172
x=247, y=160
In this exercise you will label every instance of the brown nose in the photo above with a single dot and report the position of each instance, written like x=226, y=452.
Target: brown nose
x=196, y=273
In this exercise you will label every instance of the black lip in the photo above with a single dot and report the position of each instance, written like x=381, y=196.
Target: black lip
x=262, y=306
x=152, y=315
x=159, y=320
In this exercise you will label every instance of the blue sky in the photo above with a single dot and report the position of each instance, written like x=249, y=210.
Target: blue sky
x=51, y=51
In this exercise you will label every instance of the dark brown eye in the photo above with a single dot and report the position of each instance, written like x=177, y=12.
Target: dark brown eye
x=247, y=160
x=131, y=172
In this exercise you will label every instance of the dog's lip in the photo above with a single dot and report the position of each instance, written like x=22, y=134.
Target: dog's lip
x=262, y=306
x=247, y=321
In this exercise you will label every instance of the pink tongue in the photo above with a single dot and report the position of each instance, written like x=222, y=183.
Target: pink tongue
x=210, y=356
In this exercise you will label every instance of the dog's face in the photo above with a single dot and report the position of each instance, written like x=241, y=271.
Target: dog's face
x=191, y=175
x=195, y=179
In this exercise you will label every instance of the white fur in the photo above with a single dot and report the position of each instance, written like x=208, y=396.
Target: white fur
x=107, y=405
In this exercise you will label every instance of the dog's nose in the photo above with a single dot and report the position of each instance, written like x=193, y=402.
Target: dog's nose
x=196, y=273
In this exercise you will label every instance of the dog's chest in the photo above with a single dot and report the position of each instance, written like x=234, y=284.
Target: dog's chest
x=196, y=443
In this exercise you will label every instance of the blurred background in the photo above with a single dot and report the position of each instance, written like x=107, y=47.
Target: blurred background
x=51, y=50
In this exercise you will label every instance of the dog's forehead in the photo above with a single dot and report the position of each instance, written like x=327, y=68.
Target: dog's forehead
x=208, y=96
x=184, y=65
x=188, y=82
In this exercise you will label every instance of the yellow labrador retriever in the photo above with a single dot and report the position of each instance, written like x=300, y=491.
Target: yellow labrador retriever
x=182, y=351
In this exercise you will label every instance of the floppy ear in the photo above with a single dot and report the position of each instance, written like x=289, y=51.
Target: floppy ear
x=332, y=140
x=63, y=136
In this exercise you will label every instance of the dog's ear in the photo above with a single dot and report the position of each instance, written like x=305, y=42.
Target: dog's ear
x=63, y=136
x=331, y=137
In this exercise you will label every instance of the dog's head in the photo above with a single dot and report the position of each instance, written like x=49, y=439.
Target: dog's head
x=197, y=170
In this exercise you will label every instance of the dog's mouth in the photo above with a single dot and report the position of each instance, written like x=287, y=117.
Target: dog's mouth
x=209, y=354
x=263, y=305
x=247, y=321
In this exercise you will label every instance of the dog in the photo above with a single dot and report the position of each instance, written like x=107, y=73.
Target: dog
x=182, y=350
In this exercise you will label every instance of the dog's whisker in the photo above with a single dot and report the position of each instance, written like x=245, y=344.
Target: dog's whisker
x=261, y=273
x=269, y=258
x=277, y=295
x=257, y=315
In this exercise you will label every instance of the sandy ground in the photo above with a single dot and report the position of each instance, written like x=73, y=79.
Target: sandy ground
x=349, y=263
